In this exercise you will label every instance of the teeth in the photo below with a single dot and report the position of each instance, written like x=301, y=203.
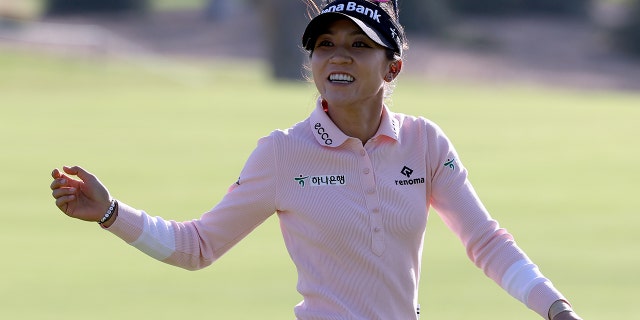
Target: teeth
x=341, y=77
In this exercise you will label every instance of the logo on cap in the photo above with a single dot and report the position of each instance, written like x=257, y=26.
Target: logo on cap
x=352, y=6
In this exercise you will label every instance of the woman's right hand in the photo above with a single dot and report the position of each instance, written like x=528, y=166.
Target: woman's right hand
x=85, y=199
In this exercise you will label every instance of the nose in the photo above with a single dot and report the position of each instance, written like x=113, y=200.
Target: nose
x=341, y=56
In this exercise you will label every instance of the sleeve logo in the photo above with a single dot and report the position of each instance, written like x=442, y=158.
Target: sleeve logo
x=450, y=163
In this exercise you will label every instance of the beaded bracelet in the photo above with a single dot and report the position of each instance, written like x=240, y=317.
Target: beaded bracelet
x=110, y=212
x=558, y=307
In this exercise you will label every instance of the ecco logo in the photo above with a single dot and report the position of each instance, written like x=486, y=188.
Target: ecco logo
x=352, y=6
x=323, y=134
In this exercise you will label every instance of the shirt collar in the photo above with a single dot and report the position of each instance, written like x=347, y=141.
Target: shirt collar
x=328, y=134
x=389, y=125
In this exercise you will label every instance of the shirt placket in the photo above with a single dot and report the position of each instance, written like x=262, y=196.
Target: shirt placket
x=372, y=202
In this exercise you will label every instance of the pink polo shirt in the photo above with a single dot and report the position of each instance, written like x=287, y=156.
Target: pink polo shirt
x=353, y=218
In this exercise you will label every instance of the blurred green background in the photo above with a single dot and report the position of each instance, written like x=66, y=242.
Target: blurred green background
x=557, y=167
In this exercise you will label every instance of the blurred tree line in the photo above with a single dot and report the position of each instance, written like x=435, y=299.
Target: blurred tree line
x=285, y=20
x=67, y=7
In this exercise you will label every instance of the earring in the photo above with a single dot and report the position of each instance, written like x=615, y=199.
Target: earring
x=388, y=77
x=394, y=69
x=325, y=105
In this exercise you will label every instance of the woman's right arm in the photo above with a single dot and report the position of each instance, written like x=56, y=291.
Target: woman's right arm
x=190, y=244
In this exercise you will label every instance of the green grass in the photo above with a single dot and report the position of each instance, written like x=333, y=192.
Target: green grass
x=558, y=169
x=174, y=4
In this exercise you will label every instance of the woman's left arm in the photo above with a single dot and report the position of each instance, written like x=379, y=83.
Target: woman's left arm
x=490, y=247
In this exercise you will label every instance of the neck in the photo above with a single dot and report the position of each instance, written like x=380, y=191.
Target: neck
x=358, y=121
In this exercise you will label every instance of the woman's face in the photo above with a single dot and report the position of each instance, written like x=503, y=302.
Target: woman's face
x=348, y=67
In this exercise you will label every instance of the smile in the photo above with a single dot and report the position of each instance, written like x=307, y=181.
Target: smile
x=341, y=78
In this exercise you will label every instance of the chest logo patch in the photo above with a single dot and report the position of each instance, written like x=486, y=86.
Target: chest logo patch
x=407, y=172
x=321, y=181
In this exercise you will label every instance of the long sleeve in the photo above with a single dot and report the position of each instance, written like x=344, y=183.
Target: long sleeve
x=489, y=246
x=196, y=244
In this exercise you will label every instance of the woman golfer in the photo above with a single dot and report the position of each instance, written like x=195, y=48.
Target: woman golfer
x=351, y=185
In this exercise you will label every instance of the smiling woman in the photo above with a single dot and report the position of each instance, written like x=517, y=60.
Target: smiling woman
x=349, y=71
x=351, y=184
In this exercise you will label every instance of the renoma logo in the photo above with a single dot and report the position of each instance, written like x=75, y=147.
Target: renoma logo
x=407, y=172
x=352, y=6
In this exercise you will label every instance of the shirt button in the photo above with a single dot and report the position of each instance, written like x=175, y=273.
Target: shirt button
x=376, y=229
x=362, y=153
x=376, y=210
x=365, y=170
x=371, y=191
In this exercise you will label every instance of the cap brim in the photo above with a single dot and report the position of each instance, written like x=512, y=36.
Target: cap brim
x=319, y=25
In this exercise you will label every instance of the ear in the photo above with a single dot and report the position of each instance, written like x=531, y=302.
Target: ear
x=395, y=67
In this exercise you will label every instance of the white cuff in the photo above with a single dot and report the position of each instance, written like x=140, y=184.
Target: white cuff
x=520, y=279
